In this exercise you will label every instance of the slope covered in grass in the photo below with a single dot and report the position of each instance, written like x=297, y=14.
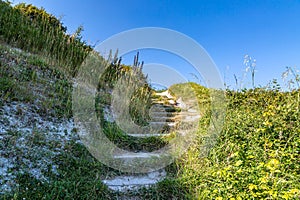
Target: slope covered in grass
x=257, y=155
x=32, y=29
x=41, y=154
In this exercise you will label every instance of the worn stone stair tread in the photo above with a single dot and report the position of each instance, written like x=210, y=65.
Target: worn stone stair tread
x=124, y=183
x=144, y=135
x=153, y=123
x=163, y=100
x=164, y=118
x=164, y=94
x=162, y=109
x=163, y=105
x=159, y=113
x=131, y=155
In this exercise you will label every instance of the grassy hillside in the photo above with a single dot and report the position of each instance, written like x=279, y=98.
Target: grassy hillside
x=32, y=29
x=256, y=155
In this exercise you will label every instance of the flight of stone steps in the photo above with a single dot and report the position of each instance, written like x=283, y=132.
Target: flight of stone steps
x=166, y=113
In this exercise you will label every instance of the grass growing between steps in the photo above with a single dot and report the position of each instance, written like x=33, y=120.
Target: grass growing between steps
x=124, y=141
x=134, y=144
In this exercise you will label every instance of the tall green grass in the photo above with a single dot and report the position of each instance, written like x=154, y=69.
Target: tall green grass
x=41, y=36
x=133, y=82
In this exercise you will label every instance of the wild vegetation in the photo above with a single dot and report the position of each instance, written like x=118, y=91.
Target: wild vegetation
x=256, y=155
x=34, y=30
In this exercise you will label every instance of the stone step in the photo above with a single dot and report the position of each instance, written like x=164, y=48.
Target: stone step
x=153, y=123
x=165, y=118
x=132, y=155
x=164, y=104
x=164, y=94
x=162, y=113
x=166, y=109
x=125, y=183
x=160, y=97
x=145, y=135
x=161, y=105
x=157, y=114
x=136, y=159
x=164, y=101
x=162, y=124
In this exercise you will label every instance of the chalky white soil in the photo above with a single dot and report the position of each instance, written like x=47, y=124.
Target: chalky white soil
x=29, y=142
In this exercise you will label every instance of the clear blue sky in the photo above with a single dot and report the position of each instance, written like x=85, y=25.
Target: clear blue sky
x=267, y=30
